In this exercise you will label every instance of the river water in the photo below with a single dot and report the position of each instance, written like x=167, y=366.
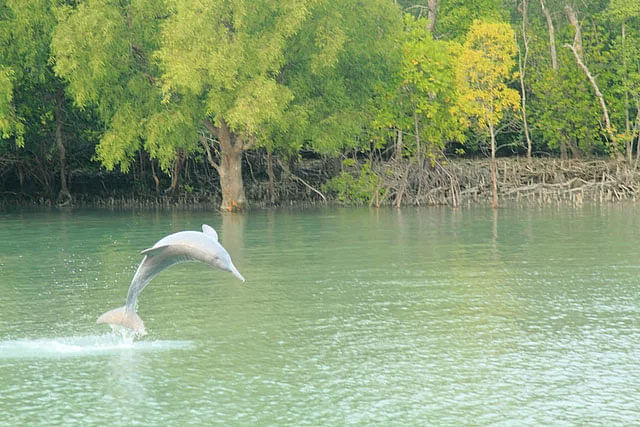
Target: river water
x=348, y=316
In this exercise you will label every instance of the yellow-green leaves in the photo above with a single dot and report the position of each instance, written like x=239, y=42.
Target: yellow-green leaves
x=258, y=102
x=104, y=50
x=485, y=65
x=25, y=31
x=329, y=40
x=121, y=140
x=10, y=125
x=230, y=54
x=92, y=48
x=428, y=80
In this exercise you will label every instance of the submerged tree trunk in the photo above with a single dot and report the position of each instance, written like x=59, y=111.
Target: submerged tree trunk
x=64, y=197
x=494, y=173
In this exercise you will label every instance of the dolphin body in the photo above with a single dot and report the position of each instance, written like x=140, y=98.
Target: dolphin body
x=183, y=246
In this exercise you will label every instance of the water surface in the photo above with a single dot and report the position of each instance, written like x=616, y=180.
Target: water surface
x=348, y=316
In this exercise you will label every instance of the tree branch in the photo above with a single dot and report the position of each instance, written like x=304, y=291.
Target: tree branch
x=285, y=167
x=210, y=127
x=552, y=37
x=595, y=88
x=577, y=38
x=212, y=162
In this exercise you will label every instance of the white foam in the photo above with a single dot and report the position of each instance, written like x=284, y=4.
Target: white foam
x=83, y=346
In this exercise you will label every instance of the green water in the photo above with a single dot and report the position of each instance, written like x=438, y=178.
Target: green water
x=429, y=316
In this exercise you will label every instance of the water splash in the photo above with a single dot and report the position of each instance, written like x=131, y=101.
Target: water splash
x=81, y=346
x=125, y=334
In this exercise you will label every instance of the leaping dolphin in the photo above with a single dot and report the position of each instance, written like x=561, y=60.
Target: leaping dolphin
x=179, y=247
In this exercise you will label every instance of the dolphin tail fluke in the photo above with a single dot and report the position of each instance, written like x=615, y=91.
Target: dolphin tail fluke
x=121, y=316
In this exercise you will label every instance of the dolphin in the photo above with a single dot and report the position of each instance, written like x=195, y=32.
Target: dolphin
x=178, y=247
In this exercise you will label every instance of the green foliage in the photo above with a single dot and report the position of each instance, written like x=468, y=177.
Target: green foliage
x=428, y=77
x=318, y=75
x=420, y=99
x=9, y=123
x=455, y=17
x=25, y=34
x=105, y=51
x=622, y=47
x=233, y=61
x=563, y=110
x=335, y=64
x=355, y=190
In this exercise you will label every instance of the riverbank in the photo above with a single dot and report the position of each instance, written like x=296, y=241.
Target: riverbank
x=311, y=182
x=537, y=182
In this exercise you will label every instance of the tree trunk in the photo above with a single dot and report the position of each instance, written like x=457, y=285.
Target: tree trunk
x=627, y=125
x=156, y=180
x=230, y=170
x=563, y=147
x=417, y=130
x=577, y=38
x=636, y=134
x=399, y=147
x=627, y=120
x=403, y=185
x=573, y=147
x=175, y=173
x=233, y=198
x=552, y=37
x=64, y=197
x=432, y=15
x=494, y=174
x=270, y=174
x=21, y=177
x=522, y=63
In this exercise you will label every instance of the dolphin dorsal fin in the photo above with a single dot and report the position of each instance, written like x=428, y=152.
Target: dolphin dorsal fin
x=210, y=232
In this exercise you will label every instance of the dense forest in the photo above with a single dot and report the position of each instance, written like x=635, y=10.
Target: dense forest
x=271, y=102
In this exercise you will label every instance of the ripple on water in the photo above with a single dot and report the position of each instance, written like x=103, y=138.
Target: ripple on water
x=79, y=346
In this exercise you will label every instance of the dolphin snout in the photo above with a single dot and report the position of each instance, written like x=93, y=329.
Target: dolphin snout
x=236, y=273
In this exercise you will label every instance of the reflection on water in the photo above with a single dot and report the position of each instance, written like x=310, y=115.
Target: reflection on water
x=348, y=316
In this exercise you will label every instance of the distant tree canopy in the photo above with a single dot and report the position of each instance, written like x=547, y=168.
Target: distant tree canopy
x=94, y=84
